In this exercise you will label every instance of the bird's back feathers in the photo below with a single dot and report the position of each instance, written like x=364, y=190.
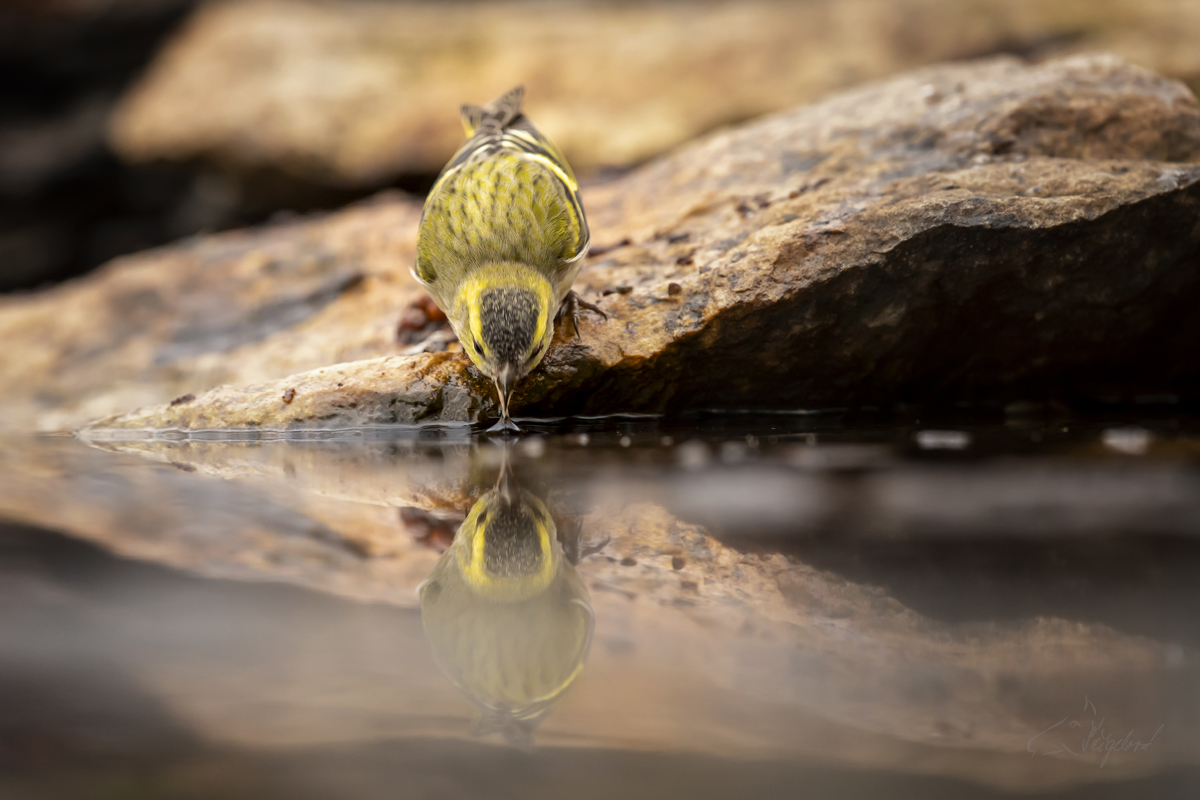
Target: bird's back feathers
x=508, y=194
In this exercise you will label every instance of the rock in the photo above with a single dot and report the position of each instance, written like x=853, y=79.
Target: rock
x=983, y=231
x=236, y=308
x=355, y=94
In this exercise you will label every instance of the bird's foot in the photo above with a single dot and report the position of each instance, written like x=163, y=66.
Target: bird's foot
x=570, y=308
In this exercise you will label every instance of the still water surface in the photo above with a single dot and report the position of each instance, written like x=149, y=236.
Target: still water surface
x=787, y=605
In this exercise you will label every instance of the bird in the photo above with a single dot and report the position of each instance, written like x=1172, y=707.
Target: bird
x=501, y=240
x=507, y=617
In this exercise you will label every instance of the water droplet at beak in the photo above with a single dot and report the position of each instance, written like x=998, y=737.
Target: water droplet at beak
x=505, y=382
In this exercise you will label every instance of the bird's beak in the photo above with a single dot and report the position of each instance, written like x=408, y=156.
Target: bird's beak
x=506, y=485
x=506, y=381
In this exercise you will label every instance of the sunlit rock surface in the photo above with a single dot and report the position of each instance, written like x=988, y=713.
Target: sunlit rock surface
x=238, y=308
x=354, y=94
x=975, y=231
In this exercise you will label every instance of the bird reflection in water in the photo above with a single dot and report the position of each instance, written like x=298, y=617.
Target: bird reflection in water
x=506, y=615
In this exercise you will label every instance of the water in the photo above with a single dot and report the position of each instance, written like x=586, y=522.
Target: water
x=831, y=605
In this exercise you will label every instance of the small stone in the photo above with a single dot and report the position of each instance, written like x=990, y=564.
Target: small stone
x=673, y=289
x=943, y=440
x=533, y=446
x=617, y=290
x=1131, y=441
x=693, y=455
x=628, y=561
x=289, y=396
x=432, y=310
x=733, y=453
x=428, y=529
x=677, y=562
x=187, y=398
x=599, y=250
x=414, y=318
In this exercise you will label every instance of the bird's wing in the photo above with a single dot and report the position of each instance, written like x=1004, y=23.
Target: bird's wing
x=501, y=128
x=523, y=137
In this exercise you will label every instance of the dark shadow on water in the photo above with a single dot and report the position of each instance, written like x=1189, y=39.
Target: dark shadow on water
x=1140, y=586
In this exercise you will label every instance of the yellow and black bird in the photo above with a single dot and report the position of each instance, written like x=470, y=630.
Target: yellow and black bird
x=506, y=615
x=502, y=238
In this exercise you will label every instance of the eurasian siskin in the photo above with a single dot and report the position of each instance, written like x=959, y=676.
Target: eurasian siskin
x=502, y=238
x=507, y=617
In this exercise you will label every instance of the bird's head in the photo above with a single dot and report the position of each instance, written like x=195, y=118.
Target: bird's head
x=507, y=547
x=504, y=318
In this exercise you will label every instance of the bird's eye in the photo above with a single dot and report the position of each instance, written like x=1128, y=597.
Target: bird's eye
x=478, y=346
x=483, y=515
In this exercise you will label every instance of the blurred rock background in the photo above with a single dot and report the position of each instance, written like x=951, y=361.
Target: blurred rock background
x=130, y=123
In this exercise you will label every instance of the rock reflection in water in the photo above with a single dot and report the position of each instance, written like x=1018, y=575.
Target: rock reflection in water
x=721, y=636
x=506, y=615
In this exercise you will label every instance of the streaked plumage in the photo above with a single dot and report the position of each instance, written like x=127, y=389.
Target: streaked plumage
x=502, y=238
x=506, y=615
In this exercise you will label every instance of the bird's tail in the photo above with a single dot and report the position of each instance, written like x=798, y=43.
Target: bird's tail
x=496, y=115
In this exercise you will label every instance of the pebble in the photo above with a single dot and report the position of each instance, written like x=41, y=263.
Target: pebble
x=1131, y=441
x=413, y=319
x=943, y=440
x=693, y=455
x=533, y=446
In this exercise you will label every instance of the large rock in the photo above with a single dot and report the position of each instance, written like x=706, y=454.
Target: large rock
x=235, y=308
x=354, y=94
x=985, y=230
x=977, y=231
